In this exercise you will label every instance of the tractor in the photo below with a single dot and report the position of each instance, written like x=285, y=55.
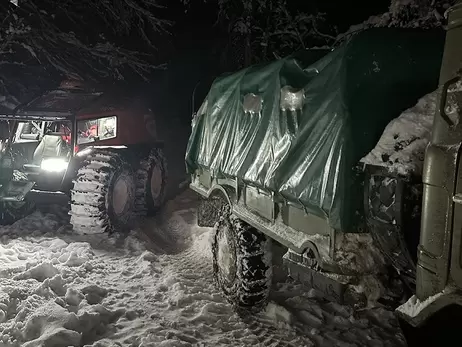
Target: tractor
x=275, y=155
x=98, y=147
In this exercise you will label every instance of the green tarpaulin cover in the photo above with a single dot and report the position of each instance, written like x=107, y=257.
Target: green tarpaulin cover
x=298, y=126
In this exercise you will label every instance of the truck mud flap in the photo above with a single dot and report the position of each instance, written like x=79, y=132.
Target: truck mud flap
x=393, y=208
x=333, y=287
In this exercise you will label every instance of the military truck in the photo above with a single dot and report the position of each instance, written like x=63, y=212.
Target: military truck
x=275, y=155
x=99, y=147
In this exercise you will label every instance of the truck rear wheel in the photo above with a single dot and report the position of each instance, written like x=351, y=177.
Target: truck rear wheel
x=151, y=183
x=242, y=265
x=103, y=197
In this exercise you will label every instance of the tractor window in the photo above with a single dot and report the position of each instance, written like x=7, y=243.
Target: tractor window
x=97, y=129
x=29, y=131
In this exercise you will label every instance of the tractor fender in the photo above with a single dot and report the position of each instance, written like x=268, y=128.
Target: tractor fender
x=78, y=160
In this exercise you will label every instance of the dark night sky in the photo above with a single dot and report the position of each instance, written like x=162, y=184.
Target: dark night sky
x=195, y=37
x=196, y=41
x=195, y=28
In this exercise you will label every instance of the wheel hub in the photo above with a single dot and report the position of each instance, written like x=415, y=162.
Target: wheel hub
x=120, y=196
x=226, y=256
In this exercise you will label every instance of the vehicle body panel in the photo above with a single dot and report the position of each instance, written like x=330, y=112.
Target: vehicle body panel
x=295, y=128
x=439, y=267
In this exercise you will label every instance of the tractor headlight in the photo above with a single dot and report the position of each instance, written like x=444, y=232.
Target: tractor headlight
x=54, y=164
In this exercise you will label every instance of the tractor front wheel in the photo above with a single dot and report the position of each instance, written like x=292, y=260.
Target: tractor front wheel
x=103, y=196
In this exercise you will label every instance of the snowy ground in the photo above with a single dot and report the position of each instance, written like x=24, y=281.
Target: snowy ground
x=152, y=288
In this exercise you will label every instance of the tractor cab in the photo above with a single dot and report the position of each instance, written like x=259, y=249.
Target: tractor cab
x=67, y=137
x=42, y=141
x=47, y=154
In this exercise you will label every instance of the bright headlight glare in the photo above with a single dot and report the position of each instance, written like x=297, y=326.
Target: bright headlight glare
x=54, y=164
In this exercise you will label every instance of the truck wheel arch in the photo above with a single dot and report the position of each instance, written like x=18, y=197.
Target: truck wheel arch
x=223, y=191
x=211, y=204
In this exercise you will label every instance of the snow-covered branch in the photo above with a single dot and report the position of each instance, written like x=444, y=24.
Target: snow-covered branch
x=424, y=14
x=85, y=39
x=262, y=29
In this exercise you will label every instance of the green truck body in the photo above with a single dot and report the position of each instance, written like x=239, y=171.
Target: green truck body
x=280, y=145
x=297, y=127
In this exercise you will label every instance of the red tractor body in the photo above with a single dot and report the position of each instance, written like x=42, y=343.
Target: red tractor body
x=70, y=136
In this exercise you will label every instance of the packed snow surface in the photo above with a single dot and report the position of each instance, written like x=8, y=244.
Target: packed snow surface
x=152, y=287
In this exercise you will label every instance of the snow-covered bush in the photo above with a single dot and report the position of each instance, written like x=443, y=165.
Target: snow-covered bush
x=424, y=14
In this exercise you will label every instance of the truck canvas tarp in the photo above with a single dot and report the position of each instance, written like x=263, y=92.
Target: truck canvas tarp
x=298, y=126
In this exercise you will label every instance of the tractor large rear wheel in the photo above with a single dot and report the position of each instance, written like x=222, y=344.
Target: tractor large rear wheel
x=103, y=196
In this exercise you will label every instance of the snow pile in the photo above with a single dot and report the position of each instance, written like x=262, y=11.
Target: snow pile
x=331, y=324
x=402, y=145
x=356, y=253
x=414, y=306
x=45, y=297
x=151, y=288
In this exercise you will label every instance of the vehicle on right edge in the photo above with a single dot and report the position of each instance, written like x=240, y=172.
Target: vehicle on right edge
x=281, y=157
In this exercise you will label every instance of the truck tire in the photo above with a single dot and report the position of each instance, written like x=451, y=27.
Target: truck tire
x=393, y=219
x=242, y=264
x=151, y=183
x=14, y=211
x=103, y=195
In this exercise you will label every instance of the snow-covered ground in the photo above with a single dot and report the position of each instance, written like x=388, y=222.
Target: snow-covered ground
x=152, y=288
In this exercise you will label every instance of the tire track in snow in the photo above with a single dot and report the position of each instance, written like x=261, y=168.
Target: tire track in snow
x=193, y=297
x=200, y=303
x=130, y=292
x=303, y=320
